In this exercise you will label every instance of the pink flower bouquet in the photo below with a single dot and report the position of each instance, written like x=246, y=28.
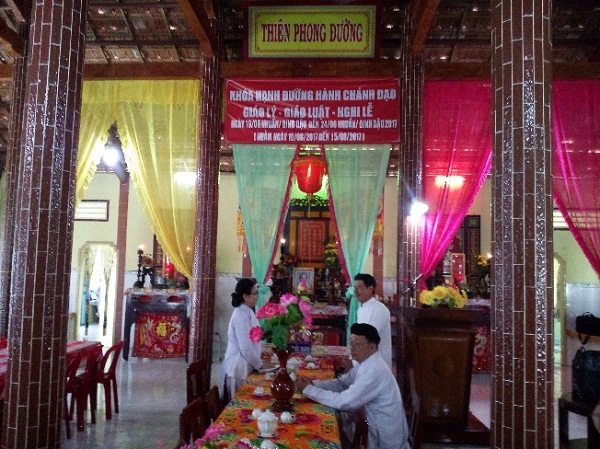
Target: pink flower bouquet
x=277, y=319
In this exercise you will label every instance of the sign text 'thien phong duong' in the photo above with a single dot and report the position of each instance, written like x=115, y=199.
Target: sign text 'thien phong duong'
x=306, y=31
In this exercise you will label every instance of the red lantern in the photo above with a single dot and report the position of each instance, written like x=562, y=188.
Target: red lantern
x=309, y=173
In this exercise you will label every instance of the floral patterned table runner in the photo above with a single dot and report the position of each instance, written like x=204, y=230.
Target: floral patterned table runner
x=314, y=425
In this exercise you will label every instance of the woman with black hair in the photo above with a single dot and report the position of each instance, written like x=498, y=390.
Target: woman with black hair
x=242, y=355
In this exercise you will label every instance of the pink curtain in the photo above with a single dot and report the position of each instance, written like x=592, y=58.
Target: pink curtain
x=457, y=157
x=576, y=126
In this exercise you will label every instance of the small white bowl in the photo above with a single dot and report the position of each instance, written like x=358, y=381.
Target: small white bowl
x=287, y=418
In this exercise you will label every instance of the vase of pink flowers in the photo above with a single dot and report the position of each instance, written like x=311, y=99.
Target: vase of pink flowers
x=276, y=320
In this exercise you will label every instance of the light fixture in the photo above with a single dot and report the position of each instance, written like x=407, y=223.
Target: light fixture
x=452, y=181
x=113, y=157
x=309, y=170
x=417, y=210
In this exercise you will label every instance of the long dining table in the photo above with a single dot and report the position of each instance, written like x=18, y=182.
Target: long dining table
x=314, y=425
x=73, y=348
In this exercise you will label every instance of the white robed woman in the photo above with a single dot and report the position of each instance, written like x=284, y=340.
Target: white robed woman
x=242, y=355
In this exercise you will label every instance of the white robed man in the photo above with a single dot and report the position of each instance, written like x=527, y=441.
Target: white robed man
x=369, y=386
x=374, y=312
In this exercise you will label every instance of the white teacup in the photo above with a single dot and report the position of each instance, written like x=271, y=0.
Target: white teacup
x=256, y=413
x=267, y=444
x=259, y=391
x=286, y=417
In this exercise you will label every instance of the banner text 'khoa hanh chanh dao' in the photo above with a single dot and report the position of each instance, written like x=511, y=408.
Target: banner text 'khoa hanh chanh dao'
x=328, y=110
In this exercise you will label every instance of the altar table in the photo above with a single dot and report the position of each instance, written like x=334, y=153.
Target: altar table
x=315, y=425
x=173, y=303
x=329, y=324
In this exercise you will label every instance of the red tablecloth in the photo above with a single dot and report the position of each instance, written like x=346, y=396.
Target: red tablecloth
x=73, y=348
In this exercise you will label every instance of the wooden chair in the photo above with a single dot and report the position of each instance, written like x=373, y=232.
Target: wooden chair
x=354, y=429
x=214, y=406
x=107, y=376
x=197, y=376
x=361, y=431
x=412, y=412
x=413, y=423
x=70, y=389
x=192, y=421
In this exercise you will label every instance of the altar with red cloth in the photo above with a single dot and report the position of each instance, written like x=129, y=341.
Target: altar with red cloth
x=161, y=323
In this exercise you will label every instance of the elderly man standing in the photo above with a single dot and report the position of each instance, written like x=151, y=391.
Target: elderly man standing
x=371, y=386
x=374, y=313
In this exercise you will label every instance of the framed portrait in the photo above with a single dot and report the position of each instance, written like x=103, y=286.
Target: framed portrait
x=303, y=279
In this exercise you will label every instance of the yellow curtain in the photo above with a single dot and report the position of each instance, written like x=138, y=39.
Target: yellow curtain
x=97, y=114
x=158, y=125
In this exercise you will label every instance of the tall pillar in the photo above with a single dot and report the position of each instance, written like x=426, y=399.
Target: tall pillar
x=410, y=169
x=44, y=225
x=522, y=398
x=205, y=236
x=7, y=232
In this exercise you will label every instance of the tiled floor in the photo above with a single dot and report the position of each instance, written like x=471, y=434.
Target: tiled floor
x=152, y=393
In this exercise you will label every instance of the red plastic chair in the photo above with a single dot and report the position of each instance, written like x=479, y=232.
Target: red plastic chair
x=107, y=376
x=85, y=385
x=70, y=389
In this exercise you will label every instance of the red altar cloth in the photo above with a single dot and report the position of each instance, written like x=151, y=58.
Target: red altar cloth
x=159, y=335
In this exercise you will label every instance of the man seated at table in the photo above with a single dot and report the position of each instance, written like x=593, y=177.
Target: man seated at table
x=371, y=386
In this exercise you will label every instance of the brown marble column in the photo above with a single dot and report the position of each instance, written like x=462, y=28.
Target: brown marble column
x=121, y=256
x=522, y=295
x=12, y=163
x=205, y=241
x=410, y=169
x=44, y=225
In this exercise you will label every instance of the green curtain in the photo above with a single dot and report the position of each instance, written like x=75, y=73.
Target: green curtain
x=158, y=123
x=263, y=178
x=356, y=179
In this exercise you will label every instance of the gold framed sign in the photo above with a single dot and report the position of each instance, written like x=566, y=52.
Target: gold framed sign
x=310, y=31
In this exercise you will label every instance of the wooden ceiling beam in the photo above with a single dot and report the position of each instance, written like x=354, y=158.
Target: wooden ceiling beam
x=20, y=8
x=310, y=69
x=478, y=70
x=143, y=71
x=198, y=20
x=423, y=12
x=261, y=69
x=11, y=41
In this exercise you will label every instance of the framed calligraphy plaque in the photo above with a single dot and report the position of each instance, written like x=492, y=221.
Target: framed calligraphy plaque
x=312, y=235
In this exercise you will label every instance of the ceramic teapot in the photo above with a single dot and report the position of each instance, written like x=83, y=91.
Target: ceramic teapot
x=267, y=423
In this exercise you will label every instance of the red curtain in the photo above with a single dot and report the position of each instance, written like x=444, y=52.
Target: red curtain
x=576, y=127
x=457, y=157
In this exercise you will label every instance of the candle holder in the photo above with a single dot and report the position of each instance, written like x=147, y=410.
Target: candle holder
x=143, y=271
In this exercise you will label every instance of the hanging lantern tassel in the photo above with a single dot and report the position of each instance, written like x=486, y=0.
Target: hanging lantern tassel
x=309, y=173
